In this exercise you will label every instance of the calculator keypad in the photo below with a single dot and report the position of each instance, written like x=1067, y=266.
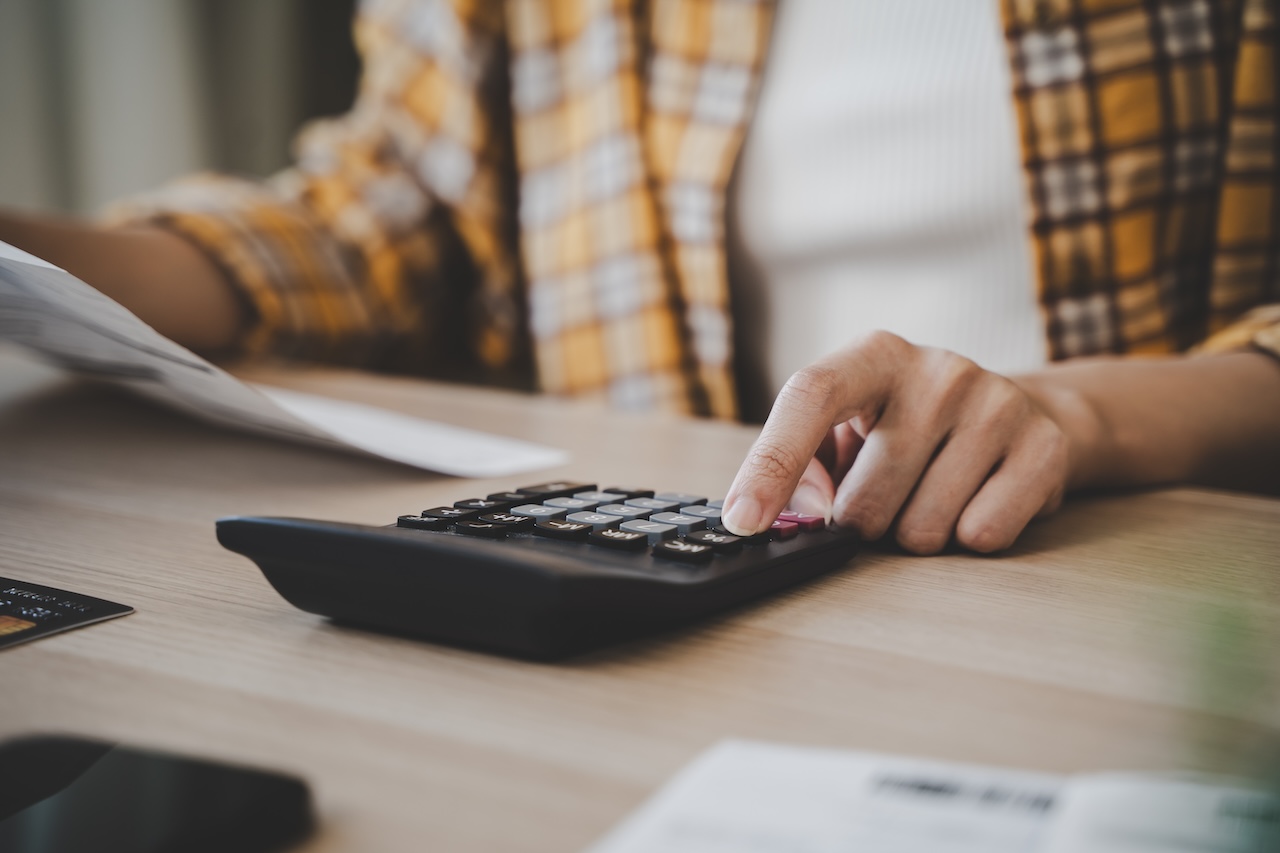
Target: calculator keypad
x=677, y=526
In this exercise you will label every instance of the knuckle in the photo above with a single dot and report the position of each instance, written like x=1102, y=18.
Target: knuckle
x=1057, y=451
x=923, y=541
x=1007, y=398
x=1004, y=405
x=984, y=537
x=878, y=340
x=812, y=387
x=951, y=380
x=1050, y=449
x=954, y=371
x=866, y=517
x=1053, y=503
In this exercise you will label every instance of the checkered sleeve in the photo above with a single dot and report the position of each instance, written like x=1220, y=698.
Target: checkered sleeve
x=1150, y=140
x=1244, y=302
x=336, y=257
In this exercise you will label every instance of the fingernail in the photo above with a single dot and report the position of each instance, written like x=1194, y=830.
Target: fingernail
x=742, y=517
x=810, y=501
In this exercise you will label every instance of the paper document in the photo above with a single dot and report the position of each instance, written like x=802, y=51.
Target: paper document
x=749, y=797
x=66, y=321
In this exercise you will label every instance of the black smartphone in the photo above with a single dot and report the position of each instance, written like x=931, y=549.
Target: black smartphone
x=72, y=795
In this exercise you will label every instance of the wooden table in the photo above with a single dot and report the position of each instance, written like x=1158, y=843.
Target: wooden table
x=1134, y=631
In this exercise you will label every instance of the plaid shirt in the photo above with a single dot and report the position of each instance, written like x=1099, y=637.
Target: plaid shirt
x=532, y=192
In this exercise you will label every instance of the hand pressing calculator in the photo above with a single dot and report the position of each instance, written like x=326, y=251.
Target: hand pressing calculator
x=539, y=572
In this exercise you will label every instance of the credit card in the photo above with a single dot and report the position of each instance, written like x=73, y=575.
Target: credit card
x=29, y=611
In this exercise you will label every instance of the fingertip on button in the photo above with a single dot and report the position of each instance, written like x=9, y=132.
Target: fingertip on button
x=742, y=516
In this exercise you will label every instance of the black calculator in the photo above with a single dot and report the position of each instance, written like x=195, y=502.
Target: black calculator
x=538, y=572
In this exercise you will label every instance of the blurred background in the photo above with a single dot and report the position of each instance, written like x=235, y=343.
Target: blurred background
x=102, y=98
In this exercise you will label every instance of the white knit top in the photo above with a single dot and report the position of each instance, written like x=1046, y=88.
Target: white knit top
x=880, y=188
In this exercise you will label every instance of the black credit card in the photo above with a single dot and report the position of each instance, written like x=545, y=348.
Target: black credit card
x=28, y=611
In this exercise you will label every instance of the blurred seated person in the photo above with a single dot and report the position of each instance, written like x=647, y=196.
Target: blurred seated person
x=556, y=194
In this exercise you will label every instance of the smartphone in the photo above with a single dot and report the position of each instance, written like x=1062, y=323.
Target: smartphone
x=72, y=795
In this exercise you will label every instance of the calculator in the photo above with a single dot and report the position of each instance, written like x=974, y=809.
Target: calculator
x=541, y=571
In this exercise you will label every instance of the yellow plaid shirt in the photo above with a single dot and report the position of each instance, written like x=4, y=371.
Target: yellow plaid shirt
x=532, y=192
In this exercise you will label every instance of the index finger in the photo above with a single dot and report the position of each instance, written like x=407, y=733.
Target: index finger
x=851, y=382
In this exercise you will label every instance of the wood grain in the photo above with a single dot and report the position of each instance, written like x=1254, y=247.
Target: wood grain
x=1095, y=644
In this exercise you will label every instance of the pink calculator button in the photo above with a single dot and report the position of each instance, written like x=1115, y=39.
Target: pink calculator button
x=784, y=529
x=805, y=522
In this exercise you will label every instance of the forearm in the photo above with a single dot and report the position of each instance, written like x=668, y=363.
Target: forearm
x=1213, y=420
x=169, y=283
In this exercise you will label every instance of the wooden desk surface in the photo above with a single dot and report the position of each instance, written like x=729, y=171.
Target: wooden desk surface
x=1127, y=632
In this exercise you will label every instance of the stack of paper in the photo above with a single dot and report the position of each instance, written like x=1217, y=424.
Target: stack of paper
x=61, y=318
x=745, y=797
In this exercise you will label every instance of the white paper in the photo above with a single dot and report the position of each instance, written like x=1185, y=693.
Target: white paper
x=66, y=321
x=1125, y=813
x=765, y=798
x=13, y=253
x=751, y=797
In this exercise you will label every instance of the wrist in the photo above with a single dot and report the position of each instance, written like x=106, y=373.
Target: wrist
x=1090, y=439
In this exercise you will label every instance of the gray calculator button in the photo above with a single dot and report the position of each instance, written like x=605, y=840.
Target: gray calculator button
x=623, y=511
x=601, y=497
x=686, y=523
x=680, y=498
x=653, y=504
x=539, y=511
x=652, y=529
x=710, y=513
x=572, y=504
x=597, y=520
x=718, y=503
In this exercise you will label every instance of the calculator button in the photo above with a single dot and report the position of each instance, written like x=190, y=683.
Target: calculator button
x=451, y=513
x=422, y=522
x=710, y=513
x=483, y=504
x=718, y=503
x=721, y=543
x=683, y=550
x=686, y=523
x=630, y=492
x=602, y=497
x=784, y=529
x=624, y=539
x=509, y=497
x=655, y=531
x=758, y=539
x=507, y=520
x=556, y=528
x=623, y=511
x=539, y=511
x=681, y=498
x=573, y=504
x=542, y=491
x=804, y=522
x=652, y=504
x=598, y=520
x=482, y=528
